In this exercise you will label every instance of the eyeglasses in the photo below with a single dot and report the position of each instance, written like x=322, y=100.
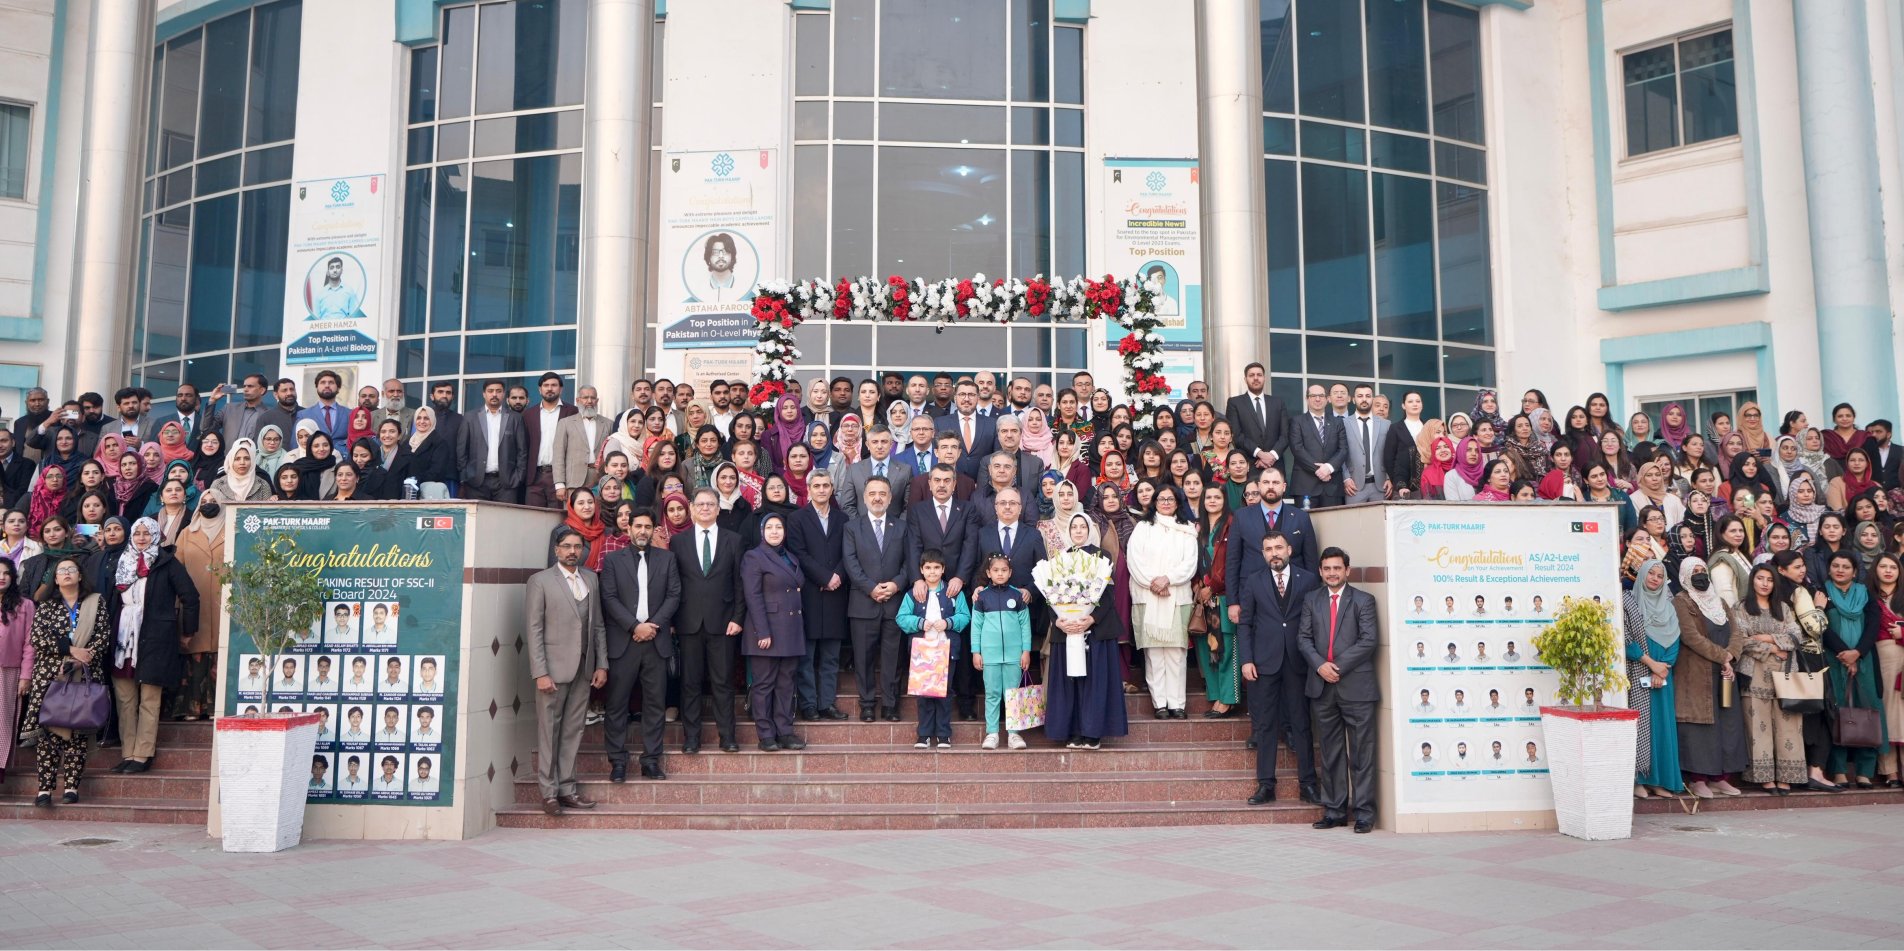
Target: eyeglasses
x=1753, y=414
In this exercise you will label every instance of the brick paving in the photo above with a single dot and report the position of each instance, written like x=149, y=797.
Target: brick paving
x=1813, y=878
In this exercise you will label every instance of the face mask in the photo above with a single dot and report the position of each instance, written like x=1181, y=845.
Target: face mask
x=1701, y=581
x=209, y=510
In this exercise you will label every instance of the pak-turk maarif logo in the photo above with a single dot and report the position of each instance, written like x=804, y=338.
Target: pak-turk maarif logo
x=252, y=524
x=1417, y=529
x=340, y=190
x=723, y=165
x=1155, y=181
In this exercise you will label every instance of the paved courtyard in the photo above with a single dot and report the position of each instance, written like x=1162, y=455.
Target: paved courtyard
x=1811, y=878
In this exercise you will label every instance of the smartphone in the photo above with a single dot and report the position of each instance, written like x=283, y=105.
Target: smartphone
x=88, y=530
x=1646, y=680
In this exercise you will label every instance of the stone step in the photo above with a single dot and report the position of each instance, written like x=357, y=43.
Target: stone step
x=855, y=759
x=158, y=811
x=193, y=759
x=904, y=816
x=1136, y=705
x=1756, y=799
x=1147, y=729
x=167, y=785
x=918, y=788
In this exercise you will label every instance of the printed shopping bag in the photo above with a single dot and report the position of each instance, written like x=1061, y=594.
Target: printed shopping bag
x=1024, y=706
x=931, y=667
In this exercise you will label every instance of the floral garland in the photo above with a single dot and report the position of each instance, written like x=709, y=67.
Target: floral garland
x=781, y=306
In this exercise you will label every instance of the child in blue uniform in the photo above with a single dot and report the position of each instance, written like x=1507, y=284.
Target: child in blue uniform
x=938, y=616
x=1001, y=642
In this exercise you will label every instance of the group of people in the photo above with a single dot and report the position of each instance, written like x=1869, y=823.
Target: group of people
x=833, y=524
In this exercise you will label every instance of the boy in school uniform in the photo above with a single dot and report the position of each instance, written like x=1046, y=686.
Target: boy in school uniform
x=934, y=617
x=1001, y=642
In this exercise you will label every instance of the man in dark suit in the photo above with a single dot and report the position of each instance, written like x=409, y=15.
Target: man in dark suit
x=1319, y=450
x=16, y=473
x=877, y=462
x=816, y=536
x=539, y=423
x=1266, y=645
x=943, y=522
x=977, y=436
x=196, y=416
x=708, y=557
x=492, y=449
x=917, y=453
x=949, y=453
x=1338, y=641
x=1016, y=537
x=1890, y=462
x=641, y=589
x=1248, y=527
x=877, y=553
x=1259, y=420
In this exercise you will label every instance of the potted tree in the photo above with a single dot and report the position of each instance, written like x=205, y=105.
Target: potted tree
x=1590, y=746
x=264, y=760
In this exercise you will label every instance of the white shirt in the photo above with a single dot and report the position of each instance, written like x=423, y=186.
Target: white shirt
x=545, y=447
x=721, y=421
x=492, y=433
x=641, y=583
x=1015, y=529
x=707, y=540
x=575, y=583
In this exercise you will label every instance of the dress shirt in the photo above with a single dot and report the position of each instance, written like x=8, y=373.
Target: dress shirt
x=576, y=587
x=1007, y=533
x=492, y=432
x=545, y=447
x=641, y=584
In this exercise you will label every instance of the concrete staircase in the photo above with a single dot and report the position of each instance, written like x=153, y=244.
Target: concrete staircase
x=173, y=791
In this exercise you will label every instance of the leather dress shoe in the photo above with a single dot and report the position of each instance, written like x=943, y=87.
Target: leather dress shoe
x=551, y=807
x=1327, y=823
x=120, y=767
x=729, y=746
x=1163, y=713
x=892, y=714
x=691, y=746
x=1250, y=744
x=652, y=771
x=1212, y=714
x=1364, y=826
x=575, y=802
x=809, y=714
x=1265, y=794
x=138, y=766
x=769, y=746
x=866, y=715
x=1307, y=793
x=833, y=713
x=791, y=742
x=618, y=773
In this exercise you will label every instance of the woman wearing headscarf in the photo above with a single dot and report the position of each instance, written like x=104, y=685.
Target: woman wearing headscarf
x=154, y=607
x=209, y=459
x=1068, y=459
x=132, y=490
x=1652, y=646
x=1674, y=427
x=1860, y=477
x=172, y=509
x=1712, y=733
x=697, y=414
x=799, y=466
x=1038, y=439
x=819, y=445
x=1851, y=674
x=1487, y=409
x=848, y=447
x=201, y=549
x=1216, y=649
x=1439, y=470
x=1747, y=472
x=48, y=495
x=108, y=451
x=1055, y=527
x=172, y=444
x=1530, y=456
x=271, y=449
x=773, y=639
x=706, y=456
x=64, y=452
x=1470, y=465
x=1804, y=509
x=1084, y=706
x=674, y=518
x=1867, y=543
x=315, y=478
x=1162, y=561
x=583, y=514
x=432, y=458
x=1752, y=430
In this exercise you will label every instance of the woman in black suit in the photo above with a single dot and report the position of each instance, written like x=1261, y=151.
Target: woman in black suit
x=773, y=639
x=393, y=455
x=432, y=458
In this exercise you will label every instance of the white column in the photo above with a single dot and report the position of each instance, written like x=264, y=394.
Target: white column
x=1230, y=146
x=119, y=65
x=612, y=343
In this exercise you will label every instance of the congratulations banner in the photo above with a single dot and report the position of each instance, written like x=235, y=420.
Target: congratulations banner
x=380, y=666
x=1152, y=230
x=717, y=237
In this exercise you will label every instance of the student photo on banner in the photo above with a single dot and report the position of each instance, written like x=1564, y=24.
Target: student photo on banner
x=334, y=287
x=340, y=624
x=323, y=778
x=427, y=676
x=380, y=624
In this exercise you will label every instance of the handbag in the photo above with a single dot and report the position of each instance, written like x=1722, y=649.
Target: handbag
x=930, y=666
x=1799, y=691
x=1199, y=621
x=74, y=702
x=1024, y=705
x=1854, y=726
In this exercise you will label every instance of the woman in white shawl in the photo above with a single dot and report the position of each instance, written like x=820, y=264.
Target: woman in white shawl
x=305, y=427
x=1162, y=559
x=241, y=483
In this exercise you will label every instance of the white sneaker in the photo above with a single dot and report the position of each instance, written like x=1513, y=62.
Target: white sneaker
x=991, y=741
x=922, y=745
x=1017, y=742
x=943, y=744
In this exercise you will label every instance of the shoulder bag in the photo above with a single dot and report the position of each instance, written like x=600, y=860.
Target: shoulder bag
x=1854, y=726
x=1799, y=691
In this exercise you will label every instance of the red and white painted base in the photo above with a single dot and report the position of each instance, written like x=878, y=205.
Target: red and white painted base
x=1590, y=755
x=264, y=767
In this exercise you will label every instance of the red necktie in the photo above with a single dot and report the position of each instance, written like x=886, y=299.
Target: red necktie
x=327, y=420
x=1334, y=599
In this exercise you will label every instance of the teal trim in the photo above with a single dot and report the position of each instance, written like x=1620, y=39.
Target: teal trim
x=21, y=329
x=1618, y=352
x=1071, y=11
x=19, y=376
x=188, y=15
x=1755, y=278
x=810, y=4
x=49, y=157
x=1510, y=4
x=1713, y=285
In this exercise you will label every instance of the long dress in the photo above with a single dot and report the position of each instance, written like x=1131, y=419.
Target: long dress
x=1091, y=705
x=1221, y=679
x=1658, y=761
x=1720, y=747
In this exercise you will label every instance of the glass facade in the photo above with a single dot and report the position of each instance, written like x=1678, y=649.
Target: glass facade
x=1376, y=190
x=216, y=200
x=938, y=140
x=489, y=272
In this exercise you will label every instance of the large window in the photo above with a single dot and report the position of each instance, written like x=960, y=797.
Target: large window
x=216, y=200
x=491, y=261
x=1680, y=93
x=935, y=140
x=1376, y=175
x=16, y=133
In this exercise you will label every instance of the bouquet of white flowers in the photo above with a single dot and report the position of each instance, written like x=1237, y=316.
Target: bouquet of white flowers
x=1072, y=581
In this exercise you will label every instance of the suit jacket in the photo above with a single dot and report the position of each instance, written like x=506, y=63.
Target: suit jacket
x=207, y=419
x=532, y=426
x=869, y=565
x=984, y=433
x=574, y=452
x=909, y=456
x=853, y=486
x=710, y=600
x=1890, y=463
x=16, y=479
x=234, y=425
x=340, y=420
x=621, y=596
x=1361, y=463
x=1252, y=433
x=567, y=639
x=1271, y=626
x=1356, y=634
x=472, y=448
x=821, y=554
x=919, y=490
x=959, y=542
x=772, y=587
x=1027, y=549
x=1247, y=528
x=1308, y=448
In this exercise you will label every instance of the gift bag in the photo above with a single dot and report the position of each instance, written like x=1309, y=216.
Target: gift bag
x=1024, y=706
x=931, y=667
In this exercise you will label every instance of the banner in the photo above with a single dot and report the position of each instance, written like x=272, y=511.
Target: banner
x=1470, y=586
x=380, y=667
x=718, y=219
x=333, y=270
x=1152, y=230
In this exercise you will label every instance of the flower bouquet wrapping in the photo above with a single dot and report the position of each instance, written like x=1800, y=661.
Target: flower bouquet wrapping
x=1072, y=581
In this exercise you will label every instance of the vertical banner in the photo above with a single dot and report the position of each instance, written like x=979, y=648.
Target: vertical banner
x=333, y=270
x=1152, y=230
x=380, y=666
x=1468, y=587
x=718, y=219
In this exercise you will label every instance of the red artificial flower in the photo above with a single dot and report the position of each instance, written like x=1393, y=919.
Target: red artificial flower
x=1037, y=292
x=901, y=297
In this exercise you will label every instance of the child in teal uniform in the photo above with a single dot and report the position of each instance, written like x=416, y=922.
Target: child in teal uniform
x=1001, y=641
x=938, y=616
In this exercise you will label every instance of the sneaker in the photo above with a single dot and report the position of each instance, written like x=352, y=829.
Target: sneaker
x=1089, y=744
x=1075, y=744
x=1015, y=741
x=594, y=717
x=991, y=741
x=945, y=743
x=922, y=745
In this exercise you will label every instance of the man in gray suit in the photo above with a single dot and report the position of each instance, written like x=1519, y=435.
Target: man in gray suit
x=1319, y=448
x=578, y=439
x=568, y=655
x=1367, y=478
x=878, y=462
x=492, y=448
x=876, y=556
x=1338, y=640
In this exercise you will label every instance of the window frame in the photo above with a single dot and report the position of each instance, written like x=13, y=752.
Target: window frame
x=1674, y=42
x=27, y=169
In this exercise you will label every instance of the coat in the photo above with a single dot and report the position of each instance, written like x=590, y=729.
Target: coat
x=575, y=453
x=1247, y=528
x=472, y=448
x=564, y=644
x=1357, y=631
x=1251, y=432
x=868, y=565
x=710, y=600
x=852, y=485
x=1268, y=633
x=171, y=613
x=821, y=555
x=1308, y=448
x=958, y=542
x=1697, y=663
x=772, y=585
x=621, y=594
x=200, y=552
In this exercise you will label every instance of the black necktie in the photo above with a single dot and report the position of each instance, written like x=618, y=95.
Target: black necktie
x=1368, y=462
